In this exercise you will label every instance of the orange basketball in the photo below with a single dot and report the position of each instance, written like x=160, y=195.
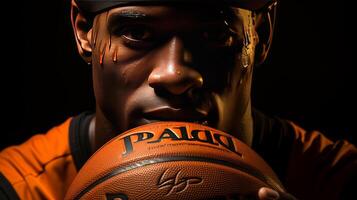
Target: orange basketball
x=173, y=160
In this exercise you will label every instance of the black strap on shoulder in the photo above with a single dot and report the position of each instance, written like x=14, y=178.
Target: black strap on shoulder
x=79, y=138
x=272, y=139
x=7, y=192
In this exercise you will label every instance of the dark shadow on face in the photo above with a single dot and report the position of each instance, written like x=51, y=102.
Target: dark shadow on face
x=154, y=63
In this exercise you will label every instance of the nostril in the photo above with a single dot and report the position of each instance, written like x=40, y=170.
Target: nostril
x=162, y=92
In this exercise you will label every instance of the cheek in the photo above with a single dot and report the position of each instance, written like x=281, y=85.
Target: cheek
x=118, y=67
x=218, y=69
x=117, y=73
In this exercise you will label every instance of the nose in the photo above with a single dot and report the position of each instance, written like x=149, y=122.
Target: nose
x=172, y=71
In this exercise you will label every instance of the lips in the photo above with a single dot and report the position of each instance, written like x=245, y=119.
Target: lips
x=167, y=113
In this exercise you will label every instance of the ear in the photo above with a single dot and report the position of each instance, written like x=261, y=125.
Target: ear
x=264, y=27
x=82, y=29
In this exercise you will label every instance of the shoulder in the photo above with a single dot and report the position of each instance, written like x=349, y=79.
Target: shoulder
x=325, y=167
x=41, y=149
x=44, y=157
x=314, y=146
x=308, y=163
x=323, y=164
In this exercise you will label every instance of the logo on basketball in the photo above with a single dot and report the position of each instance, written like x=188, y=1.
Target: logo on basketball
x=176, y=183
x=181, y=134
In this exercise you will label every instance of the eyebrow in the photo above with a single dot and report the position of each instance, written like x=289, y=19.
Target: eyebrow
x=128, y=15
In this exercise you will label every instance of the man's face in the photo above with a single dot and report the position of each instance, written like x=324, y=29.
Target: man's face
x=179, y=63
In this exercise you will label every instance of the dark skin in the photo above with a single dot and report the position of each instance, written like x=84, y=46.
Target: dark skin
x=165, y=63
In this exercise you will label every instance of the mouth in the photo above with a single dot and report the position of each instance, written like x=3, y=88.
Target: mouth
x=167, y=113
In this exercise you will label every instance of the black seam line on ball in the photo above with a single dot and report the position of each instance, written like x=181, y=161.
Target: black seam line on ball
x=242, y=167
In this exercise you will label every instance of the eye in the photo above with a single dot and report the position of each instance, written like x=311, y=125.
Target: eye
x=135, y=36
x=218, y=37
x=137, y=33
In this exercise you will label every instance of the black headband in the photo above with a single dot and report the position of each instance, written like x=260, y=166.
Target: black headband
x=97, y=6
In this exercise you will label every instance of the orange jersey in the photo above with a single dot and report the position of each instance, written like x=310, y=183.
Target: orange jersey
x=42, y=167
x=309, y=165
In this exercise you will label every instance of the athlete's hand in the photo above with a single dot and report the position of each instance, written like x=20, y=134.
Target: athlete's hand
x=265, y=193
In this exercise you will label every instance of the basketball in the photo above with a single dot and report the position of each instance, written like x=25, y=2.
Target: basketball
x=173, y=160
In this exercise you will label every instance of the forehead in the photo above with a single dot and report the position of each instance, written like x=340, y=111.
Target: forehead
x=178, y=12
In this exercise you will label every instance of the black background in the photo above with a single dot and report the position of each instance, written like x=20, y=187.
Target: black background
x=308, y=77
